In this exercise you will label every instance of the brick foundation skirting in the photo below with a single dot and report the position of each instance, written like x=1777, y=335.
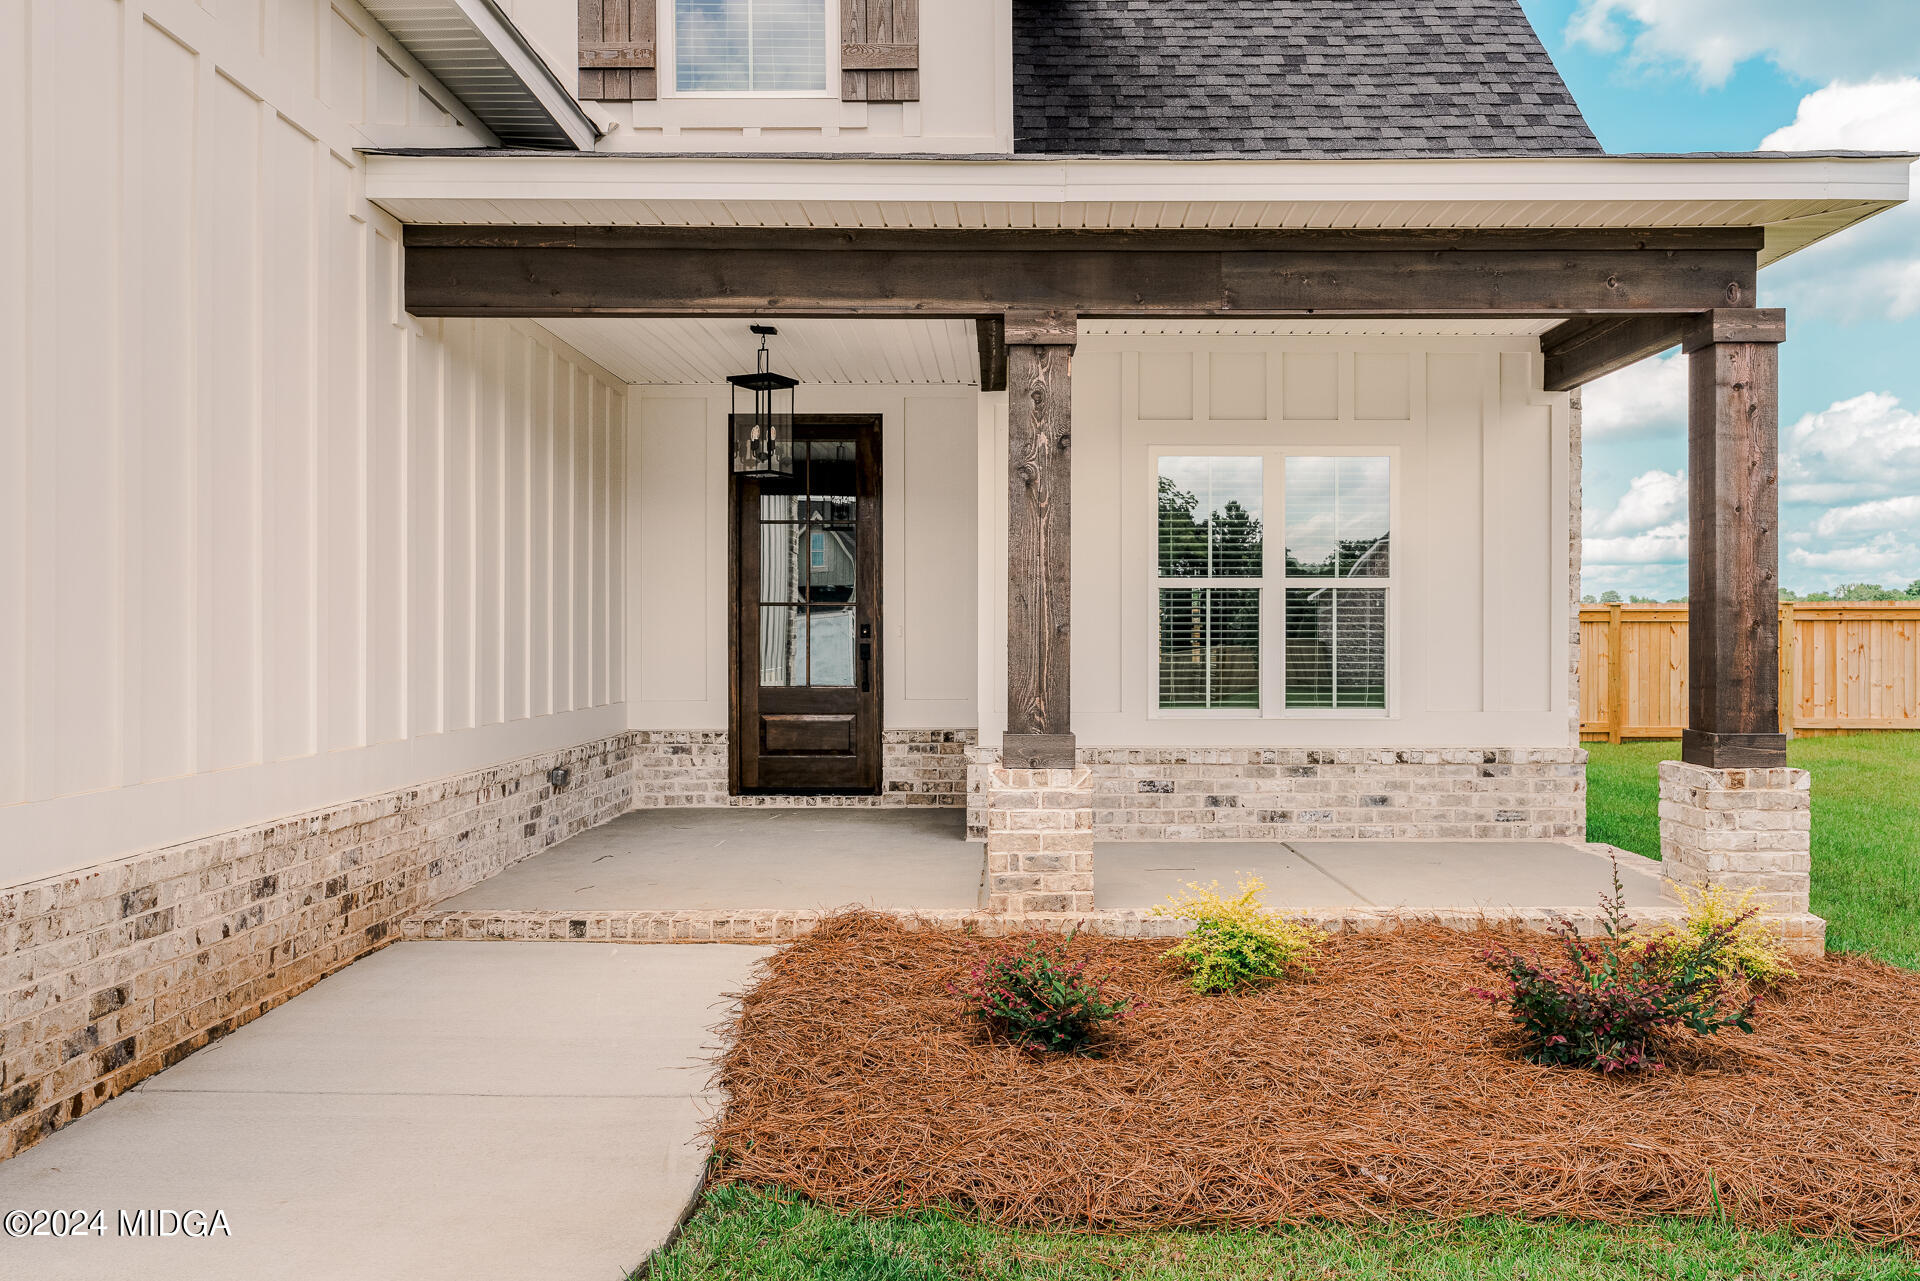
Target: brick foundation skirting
x=1346, y=793
x=1803, y=934
x=688, y=767
x=119, y=970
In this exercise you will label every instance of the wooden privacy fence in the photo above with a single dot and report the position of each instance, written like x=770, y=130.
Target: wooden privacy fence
x=1843, y=666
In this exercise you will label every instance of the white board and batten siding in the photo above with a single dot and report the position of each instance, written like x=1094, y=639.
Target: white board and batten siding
x=677, y=551
x=266, y=543
x=1477, y=647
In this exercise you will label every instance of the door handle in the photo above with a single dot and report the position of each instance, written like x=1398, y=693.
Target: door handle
x=866, y=667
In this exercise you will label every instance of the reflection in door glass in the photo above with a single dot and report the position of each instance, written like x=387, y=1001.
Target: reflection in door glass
x=830, y=644
x=831, y=483
x=780, y=571
x=783, y=645
x=830, y=565
x=809, y=548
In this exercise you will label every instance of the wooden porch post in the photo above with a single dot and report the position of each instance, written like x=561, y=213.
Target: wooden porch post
x=1733, y=557
x=1039, y=347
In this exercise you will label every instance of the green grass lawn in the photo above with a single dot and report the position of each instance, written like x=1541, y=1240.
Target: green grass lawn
x=1866, y=882
x=1866, y=829
x=752, y=1235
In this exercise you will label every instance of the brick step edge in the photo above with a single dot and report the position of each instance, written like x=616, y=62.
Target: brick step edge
x=1804, y=934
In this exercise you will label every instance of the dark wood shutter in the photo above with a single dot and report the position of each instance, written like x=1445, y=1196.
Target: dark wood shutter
x=880, y=50
x=617, y=50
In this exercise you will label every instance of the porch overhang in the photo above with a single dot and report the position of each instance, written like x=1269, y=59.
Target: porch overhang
x=475, y=50
x=1629, y=254
x=1793, y=200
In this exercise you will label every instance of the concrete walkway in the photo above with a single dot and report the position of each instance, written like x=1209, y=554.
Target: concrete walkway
x=436, y=1110
x=721, y=859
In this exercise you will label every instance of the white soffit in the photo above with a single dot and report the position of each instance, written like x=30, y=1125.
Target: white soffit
x=814, y=350
x=474, y=49
x=1797, y=199
x=1332, y=327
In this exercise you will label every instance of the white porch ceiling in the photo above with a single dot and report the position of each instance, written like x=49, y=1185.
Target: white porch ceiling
x=693, y=351
x=1797, y=199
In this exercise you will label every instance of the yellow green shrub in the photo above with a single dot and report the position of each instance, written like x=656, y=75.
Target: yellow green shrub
x=1236, y=941
x=1755, y=950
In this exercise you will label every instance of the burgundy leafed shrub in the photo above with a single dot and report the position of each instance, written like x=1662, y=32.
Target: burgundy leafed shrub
x=1604, y=1007
x=1033, y=994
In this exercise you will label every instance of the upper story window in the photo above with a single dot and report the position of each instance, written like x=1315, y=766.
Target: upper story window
x=1240, y=630
x=750, y=46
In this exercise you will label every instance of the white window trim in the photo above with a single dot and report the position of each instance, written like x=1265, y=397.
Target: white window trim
x=668, y=57
x=1273, y=583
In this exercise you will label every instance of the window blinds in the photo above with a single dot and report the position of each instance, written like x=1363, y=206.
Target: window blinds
x=750, y=46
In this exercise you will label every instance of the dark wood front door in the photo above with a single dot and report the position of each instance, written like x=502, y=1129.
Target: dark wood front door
x=806, y=616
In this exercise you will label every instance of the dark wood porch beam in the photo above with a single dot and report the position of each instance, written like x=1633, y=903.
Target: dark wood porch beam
x=1039, y=350
x=663, y=272
x=1733, y=548
x=991, y=334
x=1580, y=350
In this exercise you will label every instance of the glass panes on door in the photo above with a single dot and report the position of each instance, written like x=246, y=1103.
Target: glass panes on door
x=808, y=541
x=1210, y=554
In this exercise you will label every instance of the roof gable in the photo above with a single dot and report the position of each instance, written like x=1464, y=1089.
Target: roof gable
x=1307, y=78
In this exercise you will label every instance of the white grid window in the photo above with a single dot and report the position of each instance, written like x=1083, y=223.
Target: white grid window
x=1241, y=631
x=1209, y=581
x=1338, y=538
x=750, y=46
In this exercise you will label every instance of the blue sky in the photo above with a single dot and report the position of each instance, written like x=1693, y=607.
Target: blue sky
x=1713, y=75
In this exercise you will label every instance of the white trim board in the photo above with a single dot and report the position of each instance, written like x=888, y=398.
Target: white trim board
x=1797, y=199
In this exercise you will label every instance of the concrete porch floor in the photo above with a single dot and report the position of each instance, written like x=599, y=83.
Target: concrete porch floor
x=816, y=858
x=1488, y=875
x=719, y=859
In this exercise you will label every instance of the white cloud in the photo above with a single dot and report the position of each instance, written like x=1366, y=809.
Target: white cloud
x=1711, y=37
x=1884, y=514
x=1852, y=451
x=1652, y=499
x=1885, y=558
x=1871, y=270
x=1879, y=115
x=1646, y=397
x=1666, y=545
x=1859, y=459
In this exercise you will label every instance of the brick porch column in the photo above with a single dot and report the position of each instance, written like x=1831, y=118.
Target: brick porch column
x=1731, y=812
x=1744, y=829
x=1040, y=840
x=1039, y=802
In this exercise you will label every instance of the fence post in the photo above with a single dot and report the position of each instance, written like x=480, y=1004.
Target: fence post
x=1616, y=695
x=1789, y=642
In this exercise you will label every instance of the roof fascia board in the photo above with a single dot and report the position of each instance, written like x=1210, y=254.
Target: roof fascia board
x=745, y=177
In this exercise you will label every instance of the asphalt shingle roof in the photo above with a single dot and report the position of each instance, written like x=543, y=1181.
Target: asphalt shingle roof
x=1307, y=78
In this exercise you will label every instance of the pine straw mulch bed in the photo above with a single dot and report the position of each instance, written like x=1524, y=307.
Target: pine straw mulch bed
x=1377, y=1086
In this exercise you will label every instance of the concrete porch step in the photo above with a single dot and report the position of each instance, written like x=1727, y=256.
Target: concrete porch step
x=1804, y=933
